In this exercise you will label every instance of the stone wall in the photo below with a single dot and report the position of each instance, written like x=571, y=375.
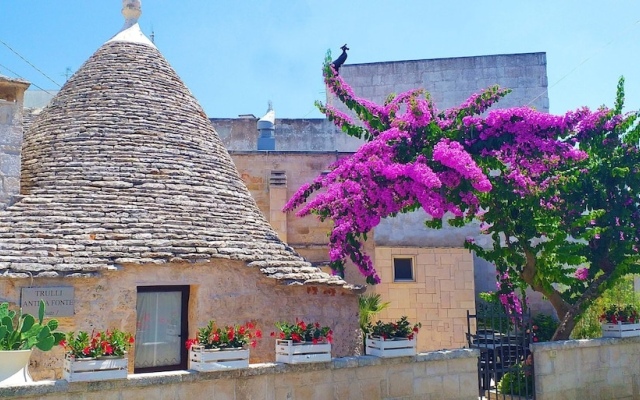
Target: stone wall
x=446, y=375
x=307, y=235
x=225, y=290
x=604, y=368
x=11, y=106
x=295, y=134
x=439, y=297
x=452, y=80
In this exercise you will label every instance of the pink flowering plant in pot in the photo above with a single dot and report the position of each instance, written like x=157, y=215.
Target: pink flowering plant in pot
x=301, y=331
x=620, y=313
x=401, y=329
x=214, y=336
x=109, y=343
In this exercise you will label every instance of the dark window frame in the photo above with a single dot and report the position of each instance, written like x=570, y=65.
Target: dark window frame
x=412, y=262
x=184, y=327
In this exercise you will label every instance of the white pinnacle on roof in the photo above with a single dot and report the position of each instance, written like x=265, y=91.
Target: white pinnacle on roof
x=269, y=117
x=131, y=32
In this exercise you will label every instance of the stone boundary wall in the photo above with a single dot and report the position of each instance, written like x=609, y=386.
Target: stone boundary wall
x=606, y=368
x=443, y=375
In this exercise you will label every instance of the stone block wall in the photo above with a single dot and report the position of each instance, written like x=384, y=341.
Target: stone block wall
x=307, y=235
x=439, y=297
x=291, y=134
x=11, y=108
x=450, y=375
x=452, y=80
x=604, y=368
x=226, y=291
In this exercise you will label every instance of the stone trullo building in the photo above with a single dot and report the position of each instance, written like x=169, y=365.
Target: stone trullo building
x=131, y=208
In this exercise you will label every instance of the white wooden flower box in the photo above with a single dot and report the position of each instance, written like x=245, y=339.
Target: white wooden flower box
x=79, y=370
x=201, y=359
x=620, y=330
x=296, y=353
x=390, y=348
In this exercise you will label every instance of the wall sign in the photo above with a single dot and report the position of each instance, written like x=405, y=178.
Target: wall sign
x=59, y=300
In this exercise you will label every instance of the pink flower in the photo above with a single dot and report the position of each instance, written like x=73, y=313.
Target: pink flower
x=582, y=274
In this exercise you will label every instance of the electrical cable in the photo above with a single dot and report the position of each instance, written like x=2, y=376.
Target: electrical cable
x=16, y=74
x=584, y=61
x=33, y=66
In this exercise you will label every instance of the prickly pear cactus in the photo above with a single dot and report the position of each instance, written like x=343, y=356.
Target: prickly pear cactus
x=22, y=332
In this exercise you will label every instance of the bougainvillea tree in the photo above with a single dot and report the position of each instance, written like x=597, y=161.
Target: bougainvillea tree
x=522, y=172
x=579, y=232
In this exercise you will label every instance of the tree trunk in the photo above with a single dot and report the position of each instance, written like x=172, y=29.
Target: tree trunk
x=567, y=313
x=567, y=323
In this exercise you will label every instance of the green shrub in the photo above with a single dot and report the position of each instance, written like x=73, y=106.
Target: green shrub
x=518, y=381
x=544, y=327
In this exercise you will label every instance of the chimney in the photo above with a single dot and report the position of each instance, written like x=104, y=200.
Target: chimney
x=267, y=127
x=11, y=106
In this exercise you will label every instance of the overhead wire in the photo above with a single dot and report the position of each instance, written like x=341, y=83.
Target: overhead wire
x=624, y=31
x=27, y=61
x=18, y=75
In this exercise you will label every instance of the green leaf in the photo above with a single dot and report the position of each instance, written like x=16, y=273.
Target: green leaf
x=620, y=172
x=27, y=322
x=8, y=322
x=44, y=333
x=46, y=344
x=52, y=324
x=41, y=312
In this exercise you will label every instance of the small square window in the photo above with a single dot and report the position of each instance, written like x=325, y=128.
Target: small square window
x=403, y=269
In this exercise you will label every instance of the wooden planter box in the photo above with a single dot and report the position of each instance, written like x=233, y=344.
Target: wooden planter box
x=620, y=330
x=390, y=348
x=290, y=353
x=201, y=359
x=95, y=369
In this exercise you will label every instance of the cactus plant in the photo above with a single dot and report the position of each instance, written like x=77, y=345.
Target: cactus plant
x=20, y=331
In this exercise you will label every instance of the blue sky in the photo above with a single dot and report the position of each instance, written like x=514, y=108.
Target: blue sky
x=235, y=56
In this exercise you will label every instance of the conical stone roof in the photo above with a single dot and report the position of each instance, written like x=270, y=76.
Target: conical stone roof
x=125, y=167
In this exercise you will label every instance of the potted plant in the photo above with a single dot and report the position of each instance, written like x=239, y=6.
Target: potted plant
x=620, y=321
x=222, y=347
x=19, y=334
x=369, y=305
x=302, y=342
x=99, y=356
x=392, y=339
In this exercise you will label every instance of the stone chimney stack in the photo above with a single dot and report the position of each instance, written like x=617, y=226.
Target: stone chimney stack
x=11, y=107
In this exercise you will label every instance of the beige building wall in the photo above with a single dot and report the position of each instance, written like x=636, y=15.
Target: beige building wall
x=224, y=290
x=272, y=179
x=439, y=297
